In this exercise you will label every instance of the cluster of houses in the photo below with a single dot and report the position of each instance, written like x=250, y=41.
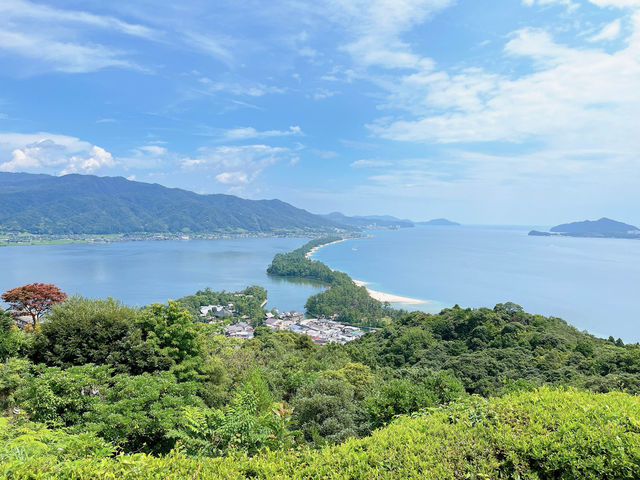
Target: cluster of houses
x=321, y=330
x=218, y=311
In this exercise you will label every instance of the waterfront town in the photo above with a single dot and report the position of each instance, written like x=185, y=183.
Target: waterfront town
x=321, y=330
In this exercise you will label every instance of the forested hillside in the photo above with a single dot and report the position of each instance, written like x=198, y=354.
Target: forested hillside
x=543, y=434
x=86, y=204
x=99, y=389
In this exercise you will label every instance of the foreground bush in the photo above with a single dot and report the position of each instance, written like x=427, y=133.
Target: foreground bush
x=545, y=433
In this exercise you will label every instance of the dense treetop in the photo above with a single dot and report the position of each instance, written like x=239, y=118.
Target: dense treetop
x=98, y=383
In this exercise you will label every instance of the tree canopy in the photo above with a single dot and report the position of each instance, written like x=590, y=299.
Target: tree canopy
x=33, y=299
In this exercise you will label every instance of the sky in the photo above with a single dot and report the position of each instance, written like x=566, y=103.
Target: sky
x=482, y=111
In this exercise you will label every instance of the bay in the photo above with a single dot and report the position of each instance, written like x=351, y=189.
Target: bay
x=594, y=284
x=140, y=273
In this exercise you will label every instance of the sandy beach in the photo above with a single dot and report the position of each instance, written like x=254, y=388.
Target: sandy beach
x=388, y=297
x=314, y=249
x=380, y=296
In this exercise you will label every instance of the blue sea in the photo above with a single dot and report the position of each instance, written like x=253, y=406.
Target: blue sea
x=144, y=272
x=594, y=284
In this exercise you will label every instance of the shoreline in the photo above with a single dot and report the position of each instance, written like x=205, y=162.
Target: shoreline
x=389, y=297
x=315, y=249
x=377, y=295
x=29, y=240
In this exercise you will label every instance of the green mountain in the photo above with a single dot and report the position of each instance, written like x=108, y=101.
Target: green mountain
x=77, y=204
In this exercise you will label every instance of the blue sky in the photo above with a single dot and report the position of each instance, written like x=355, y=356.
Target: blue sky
x=509, y=111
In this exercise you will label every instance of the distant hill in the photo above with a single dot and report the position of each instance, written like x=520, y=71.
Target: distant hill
x=370, y=221
x=77, y=204
x=604, y=227
x=439, y=222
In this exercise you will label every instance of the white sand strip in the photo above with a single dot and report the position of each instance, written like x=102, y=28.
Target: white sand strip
x=388, y=297
x=314, y=249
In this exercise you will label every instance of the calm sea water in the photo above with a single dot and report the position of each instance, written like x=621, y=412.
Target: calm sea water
x=594, y=284
x=139, y=273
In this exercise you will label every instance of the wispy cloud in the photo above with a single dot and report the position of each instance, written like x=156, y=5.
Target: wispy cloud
x=215, y=47
x=249, y=89
x=236, y=165
x=370, y=163
x=377, y=28
x=245, y=133
x=63, y=40
x=63, y=56
x=566, y=100
x=609, y=32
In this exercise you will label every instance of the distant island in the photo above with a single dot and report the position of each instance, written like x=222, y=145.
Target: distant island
x=602, y=228
x=439, y=222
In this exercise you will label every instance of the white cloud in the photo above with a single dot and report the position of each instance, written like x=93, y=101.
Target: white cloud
x=235, y=165
x=574, y=96
x=215, y=47
x=232, y=178
x=236, y=88
x=378, y=25
x=370, y=163
x=62, y=56
x=245, y=133
x=51, y=153
x=153, y=149
x=24, y=10
x=569, y=3
x=61, y=39
x=610, y=31
x=616, y=3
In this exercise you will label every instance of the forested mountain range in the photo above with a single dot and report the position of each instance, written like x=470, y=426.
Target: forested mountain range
x=86, y=204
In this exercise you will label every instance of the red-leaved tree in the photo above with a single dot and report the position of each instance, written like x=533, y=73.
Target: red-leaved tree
x=34, y=299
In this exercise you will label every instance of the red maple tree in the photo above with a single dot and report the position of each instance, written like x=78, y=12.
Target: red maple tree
x=33, y=299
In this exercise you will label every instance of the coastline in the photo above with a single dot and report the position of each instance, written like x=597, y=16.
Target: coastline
x=389, y=297
x=380, y=296
x=315, y=249
x=26, y=239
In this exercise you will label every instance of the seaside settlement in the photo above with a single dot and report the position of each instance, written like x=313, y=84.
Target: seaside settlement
x=321, y=330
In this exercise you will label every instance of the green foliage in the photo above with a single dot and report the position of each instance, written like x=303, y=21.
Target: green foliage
x=141, y=413
x=62, y=397
x=563, y=434
x=170, y=329
x=10, y=337
x=82, y=330
x=418, y=390
x=13, y=375
x=486, y=348
x=22, y=440
x=325, y=410
x=161, y=382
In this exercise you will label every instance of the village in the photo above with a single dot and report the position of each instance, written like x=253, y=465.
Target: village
x=321, y=330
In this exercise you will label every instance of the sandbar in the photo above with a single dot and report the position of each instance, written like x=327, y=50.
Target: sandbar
x=389, y=297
